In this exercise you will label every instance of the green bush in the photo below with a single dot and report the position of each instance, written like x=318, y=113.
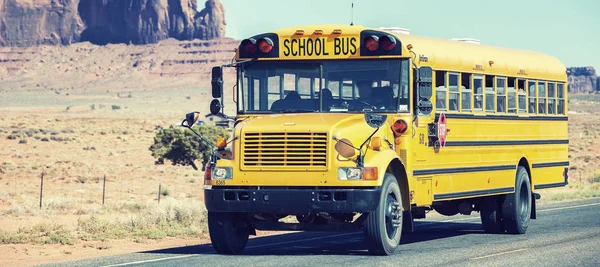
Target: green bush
x=181, y=146
x=596, y=178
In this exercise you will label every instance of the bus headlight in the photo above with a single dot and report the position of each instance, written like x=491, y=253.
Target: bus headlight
x=222, y=173
x=349, y=173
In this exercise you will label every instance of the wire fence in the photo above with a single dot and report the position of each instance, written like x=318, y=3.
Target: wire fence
x=47, y=189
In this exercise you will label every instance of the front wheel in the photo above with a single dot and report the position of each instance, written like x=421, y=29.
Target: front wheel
x=383, y=226
x=228, y=233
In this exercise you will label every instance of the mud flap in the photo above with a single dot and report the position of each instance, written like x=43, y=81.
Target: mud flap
x=534, y=196
x=407, y=222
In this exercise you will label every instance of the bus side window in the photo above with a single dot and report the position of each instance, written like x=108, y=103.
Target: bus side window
x=512, y=96
x=522, y=96
x=489, y=94
x=466, y=92
x=453, y=92
x=541, y=97
x=532, y=96
x=501, y=94
x=561, y=98
x=440, y=90
x=551, y=98
x=478, y=92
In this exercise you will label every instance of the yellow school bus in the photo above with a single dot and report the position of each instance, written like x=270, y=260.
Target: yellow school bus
x=348, y=128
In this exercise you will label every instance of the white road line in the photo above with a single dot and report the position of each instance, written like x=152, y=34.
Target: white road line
x=498, y=254
x=153, y=260
x=333, y=236
x=571, y=207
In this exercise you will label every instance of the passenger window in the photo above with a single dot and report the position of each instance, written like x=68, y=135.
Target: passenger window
x=478, y=93
x=453, y=91
x=532, y=96
x=489, y=94
x=512, y=96
x=561, y=98
x=440, y=90
x=522, y=96
x=466, y=91
x=501, y=94
x=551, y=98
x=541, y=97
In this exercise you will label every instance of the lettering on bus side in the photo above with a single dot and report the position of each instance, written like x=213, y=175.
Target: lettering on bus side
x=318, y=47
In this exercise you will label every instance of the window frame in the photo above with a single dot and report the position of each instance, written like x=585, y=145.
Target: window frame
x=493, y=93
x=530, y=97
x=505, y=95
x=457, y=92
x=545, y=98
x=559, y=99
x=468, y=89
x=481, y=78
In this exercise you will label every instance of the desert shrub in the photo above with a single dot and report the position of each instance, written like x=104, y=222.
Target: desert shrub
x=115, y=107
x=181, y=146
x=596, y=178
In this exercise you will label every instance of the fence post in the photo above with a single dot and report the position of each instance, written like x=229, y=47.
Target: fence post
x=103, y=189
x=41, y=188
x=159, y=185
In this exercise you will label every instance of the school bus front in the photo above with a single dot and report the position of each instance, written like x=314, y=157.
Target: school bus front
x=313, y=135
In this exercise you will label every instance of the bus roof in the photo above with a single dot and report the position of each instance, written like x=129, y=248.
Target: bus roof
x=459, y=56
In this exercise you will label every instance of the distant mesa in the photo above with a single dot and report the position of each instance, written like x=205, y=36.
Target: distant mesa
x=583, y=80
x=62, y=22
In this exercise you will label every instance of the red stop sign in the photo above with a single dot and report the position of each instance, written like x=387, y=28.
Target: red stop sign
x=442, y=130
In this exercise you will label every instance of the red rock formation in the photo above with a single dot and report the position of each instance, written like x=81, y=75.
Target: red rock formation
x=35, y=22
x=583, y=80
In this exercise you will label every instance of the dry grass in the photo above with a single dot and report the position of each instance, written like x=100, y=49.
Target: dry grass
x=172, y=218
x=574, y=190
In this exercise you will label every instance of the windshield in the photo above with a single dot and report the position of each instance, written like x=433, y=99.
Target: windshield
x=328, y=86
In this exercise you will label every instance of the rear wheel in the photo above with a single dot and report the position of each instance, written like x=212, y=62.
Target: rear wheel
x=516, y=207
x=491, y=214
x=228, y=233
x=383, y=226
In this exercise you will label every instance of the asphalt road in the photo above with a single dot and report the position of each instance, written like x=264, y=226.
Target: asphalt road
x=565, y=234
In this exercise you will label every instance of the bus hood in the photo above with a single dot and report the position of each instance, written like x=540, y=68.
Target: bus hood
x=335, y=124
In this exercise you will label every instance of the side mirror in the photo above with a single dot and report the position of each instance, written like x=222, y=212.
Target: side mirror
x=217, y=82
x=215, y=107
x=424, y=82
x=375, y=120
x=191, y=118
x=345, y=148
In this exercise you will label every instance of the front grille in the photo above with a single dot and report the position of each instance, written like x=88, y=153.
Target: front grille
x=301, y=150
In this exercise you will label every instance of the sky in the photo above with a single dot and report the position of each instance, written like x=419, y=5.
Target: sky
x=566, y=29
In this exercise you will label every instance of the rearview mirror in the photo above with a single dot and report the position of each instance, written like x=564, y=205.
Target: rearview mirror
x=191, y=118
x=424, y=82
x=215, y=107
x=217, y=82
x=375, y=120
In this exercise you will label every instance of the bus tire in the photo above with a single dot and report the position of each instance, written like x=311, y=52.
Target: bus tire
x=226, y=235
x=491, y=215
x=383, y=226
x=516, y=207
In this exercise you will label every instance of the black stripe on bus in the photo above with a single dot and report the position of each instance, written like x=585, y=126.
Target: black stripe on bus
x=507, y=142
x=474, y=193
x=464, y=169
x=552, y=185
x=550, y=164
x=503, y=117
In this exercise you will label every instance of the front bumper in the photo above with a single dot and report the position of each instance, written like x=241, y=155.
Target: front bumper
x=291, y=201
